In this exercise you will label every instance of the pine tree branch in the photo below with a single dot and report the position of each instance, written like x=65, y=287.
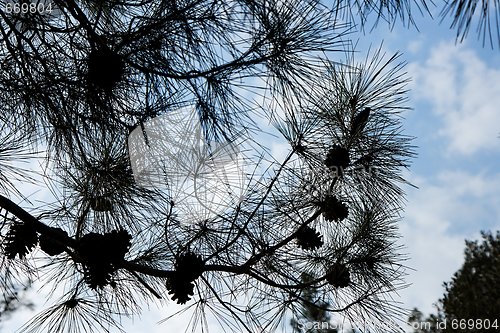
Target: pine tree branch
x=30, y=220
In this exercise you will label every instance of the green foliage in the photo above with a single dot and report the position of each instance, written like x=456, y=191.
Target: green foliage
x=473, y=291
x=471, y=302
x=422, y=324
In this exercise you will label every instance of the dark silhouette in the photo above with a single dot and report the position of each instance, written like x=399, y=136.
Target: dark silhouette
x=311, y=314
x=471, y=302
x=130, y=108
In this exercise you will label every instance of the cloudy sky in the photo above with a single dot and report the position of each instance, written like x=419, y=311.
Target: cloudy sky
x=455, y=92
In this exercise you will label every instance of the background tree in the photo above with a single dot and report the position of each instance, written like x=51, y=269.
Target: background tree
x=85, y=86
x=10, y=303
x=423, y=324
x=473, y=291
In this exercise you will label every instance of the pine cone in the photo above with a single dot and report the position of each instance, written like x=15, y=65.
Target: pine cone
x=188, y=267
x=101, y=255
x=49, y=245
x=308, y=238
x=20, y=240
x=119, y=244
x=333, y=209
x=181, y=290
x=337, y=159
x=359, y=122
x=97, y=264
x=105, y=68
x=338, y=276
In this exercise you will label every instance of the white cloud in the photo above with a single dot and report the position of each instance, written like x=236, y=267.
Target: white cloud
x=440, y=215
x=464, y=92
x=416, y=45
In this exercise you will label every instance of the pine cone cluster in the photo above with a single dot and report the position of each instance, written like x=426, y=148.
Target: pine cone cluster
x=20, y=240
x=49, y=245
x=338, y=275
x=101, y=255
x=337, y=159
x=333, y=209
x=308, y=238
x=188, y=268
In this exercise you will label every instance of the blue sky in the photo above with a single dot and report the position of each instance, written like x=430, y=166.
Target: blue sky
x=455, y=93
